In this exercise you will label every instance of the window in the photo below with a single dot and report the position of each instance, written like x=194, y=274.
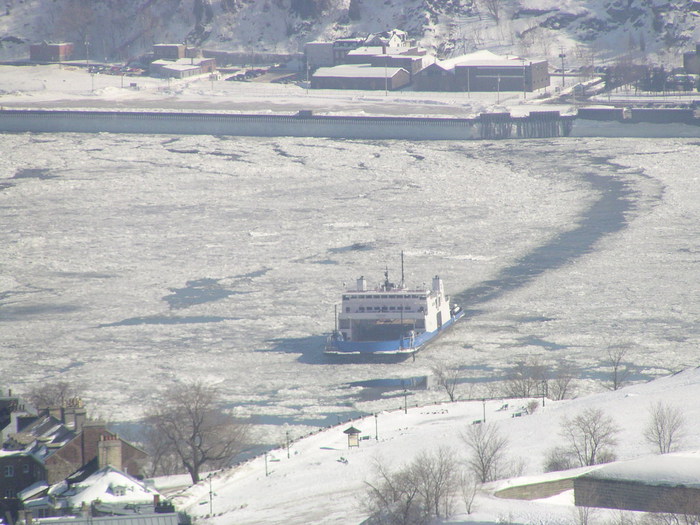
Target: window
x=9, y=471
x=9, y=493
x=25, y=468
x=362, y=308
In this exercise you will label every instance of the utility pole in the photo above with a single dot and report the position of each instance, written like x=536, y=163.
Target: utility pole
x=211, y=498
x=386, y=77
x=563, y=71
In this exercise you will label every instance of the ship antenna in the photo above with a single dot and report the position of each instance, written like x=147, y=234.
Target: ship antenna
x=402, y=280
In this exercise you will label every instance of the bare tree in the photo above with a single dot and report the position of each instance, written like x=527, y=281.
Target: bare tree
x=488, y=449
x=436, y=477
x=493, y=8
x=188, y=419
x=468, y=488
x=526, y=379
x=665, y=428
x=561, y=385
x=584, y=515
x=163, y=459
x=57, y=394
x=447, y=378
x=416, y=494
x=620, y=372
x=590, y=436
x=392, y=499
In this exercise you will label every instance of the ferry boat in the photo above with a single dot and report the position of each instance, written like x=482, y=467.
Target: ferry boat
x=390, y=320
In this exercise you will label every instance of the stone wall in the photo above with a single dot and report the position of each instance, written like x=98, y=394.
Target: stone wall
x=544, y=489
x=631, y=495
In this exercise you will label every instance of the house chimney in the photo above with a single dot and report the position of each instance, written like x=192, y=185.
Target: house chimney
x=109, y=452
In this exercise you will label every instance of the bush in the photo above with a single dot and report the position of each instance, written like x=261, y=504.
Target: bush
x=558, y=459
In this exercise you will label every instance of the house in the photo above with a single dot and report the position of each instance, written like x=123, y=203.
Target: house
x=665, y=483
x=50, y=52
x=106, y=491
x=360, y=76
x=391, y=38
x=54, y=443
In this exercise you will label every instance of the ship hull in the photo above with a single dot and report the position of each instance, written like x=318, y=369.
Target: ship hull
x=394, y=348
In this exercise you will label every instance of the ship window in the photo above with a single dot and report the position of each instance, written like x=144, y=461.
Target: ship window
x=399, y=307
x=377, y=297
x=362, y=308
x=376, y=308
x=392, y=308
x=384, y=308
x=347, y=309
x=408, y=308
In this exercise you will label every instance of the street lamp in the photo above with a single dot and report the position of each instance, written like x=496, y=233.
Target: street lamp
x=405, y=401
x=376, y=427
x=87, y=52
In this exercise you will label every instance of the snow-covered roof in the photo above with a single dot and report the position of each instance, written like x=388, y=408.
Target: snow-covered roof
x=376, y=50
x=110, y=485
x=481, y=58
x=356, y=71
x=666, y=469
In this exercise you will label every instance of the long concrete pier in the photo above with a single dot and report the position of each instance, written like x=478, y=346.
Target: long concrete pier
x=306, y=124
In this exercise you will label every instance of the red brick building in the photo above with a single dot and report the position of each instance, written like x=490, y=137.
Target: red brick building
x=50, y=52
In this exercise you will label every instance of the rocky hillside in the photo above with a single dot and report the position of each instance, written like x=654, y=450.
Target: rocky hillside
x=587, y=30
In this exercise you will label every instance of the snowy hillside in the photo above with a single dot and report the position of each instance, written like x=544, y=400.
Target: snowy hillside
x=322, y=481
x=589, y=31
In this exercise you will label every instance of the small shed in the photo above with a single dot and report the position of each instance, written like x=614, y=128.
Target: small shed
x=353, y=436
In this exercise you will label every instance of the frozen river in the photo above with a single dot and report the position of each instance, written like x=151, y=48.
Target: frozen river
x=129, y=262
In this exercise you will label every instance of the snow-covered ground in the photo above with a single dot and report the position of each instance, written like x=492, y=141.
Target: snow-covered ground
x=65, y=86
x=131, y=261
x=323, y=481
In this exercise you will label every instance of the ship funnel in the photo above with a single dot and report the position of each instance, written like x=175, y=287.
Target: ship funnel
x=437, y=285
x=361, y=285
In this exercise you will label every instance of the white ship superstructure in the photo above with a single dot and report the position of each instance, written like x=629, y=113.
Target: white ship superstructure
x=390, y=319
